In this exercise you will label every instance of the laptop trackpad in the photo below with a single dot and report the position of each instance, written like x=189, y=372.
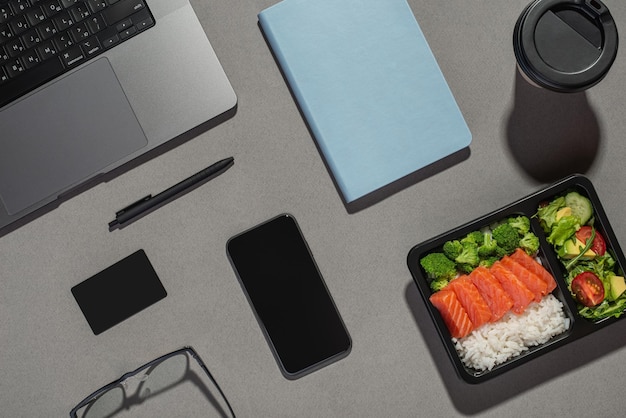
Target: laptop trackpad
x=64, y=134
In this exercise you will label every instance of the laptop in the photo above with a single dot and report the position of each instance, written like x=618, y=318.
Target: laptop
x=129, y=76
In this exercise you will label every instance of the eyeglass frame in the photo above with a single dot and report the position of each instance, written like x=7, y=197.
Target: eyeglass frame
x=106, y=388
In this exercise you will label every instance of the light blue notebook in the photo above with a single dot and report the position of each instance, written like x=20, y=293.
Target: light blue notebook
x=369, y=87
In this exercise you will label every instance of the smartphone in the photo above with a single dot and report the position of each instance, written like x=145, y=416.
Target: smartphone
x=288, y=296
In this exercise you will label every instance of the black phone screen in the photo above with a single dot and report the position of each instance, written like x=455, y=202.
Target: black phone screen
x=289, y=296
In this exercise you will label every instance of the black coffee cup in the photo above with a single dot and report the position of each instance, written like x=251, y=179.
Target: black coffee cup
x=565, y=45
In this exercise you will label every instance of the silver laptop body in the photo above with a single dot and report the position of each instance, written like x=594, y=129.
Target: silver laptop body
x=109, y=111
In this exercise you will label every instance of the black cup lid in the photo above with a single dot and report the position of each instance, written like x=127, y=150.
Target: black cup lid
x=565, y=45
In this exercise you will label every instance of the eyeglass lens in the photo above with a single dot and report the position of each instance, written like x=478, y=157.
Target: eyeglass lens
x=164, y=375
x=106, y=404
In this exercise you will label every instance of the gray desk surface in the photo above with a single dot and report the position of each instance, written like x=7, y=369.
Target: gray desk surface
x=523, y=139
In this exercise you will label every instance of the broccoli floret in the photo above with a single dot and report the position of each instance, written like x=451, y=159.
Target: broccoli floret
x=529, y=243
x=437, y=285
x=521, y=224
x=452, y=249
x=438, y=267
x=506, y=236
x=475, y=237
x=465, y=268
x=469, y=255
x=500, y=252
x=488, y=246
x=488, y=262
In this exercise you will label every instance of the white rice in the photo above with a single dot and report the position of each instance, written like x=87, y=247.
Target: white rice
x=495, y=343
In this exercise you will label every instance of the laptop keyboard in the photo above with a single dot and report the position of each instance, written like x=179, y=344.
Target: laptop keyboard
x=41, y=39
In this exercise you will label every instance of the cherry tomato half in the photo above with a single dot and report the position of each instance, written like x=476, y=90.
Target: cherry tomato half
x=588, y=289
x=598, y=246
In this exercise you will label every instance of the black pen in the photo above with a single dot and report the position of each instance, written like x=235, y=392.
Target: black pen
x=149, y=202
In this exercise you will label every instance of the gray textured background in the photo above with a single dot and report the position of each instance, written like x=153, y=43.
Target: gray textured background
x=523, y=139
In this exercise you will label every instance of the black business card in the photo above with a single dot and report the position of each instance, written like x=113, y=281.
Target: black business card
x=118, y=292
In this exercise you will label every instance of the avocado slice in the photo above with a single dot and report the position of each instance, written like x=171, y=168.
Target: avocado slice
x=566, y=211
x=618, y=286
x=572, y=248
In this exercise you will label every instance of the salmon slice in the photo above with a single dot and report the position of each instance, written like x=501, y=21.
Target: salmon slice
x=518, y=292
x=531, y=280
x=492, y=292
x=471, y=300
x=532, y=265
x=453, y=314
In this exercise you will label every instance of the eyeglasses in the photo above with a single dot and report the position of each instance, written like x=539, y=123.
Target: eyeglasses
x=165, y=380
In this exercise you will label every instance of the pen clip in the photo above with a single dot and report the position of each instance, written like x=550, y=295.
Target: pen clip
x=132, y=205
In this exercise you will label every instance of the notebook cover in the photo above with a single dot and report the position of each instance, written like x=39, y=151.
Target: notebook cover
x=369, y=87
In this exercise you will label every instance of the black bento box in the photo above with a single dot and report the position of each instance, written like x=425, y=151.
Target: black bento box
x=578, y=325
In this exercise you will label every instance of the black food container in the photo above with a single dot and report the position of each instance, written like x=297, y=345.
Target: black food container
x=578, y=325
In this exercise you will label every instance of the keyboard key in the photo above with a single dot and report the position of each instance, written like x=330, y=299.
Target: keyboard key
x=80, y=12
x=19, y=6
x=62, y=41
x=46, y=50
x=79, y=32
x=145, y=24
x=91, y=47
x=109, y=40
x=5, y=33
x=35, y=16
x=5, y=13
x=14, y=68
x=15, y=47
x=97, y=5
x=123, y=25
x=30, y=59
x=51, y=7
x=47, y=30
x=19, y=25
x=95, y=23
x=63, y=21
x=30, y=38
x=73, y=56
x=128, y=32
